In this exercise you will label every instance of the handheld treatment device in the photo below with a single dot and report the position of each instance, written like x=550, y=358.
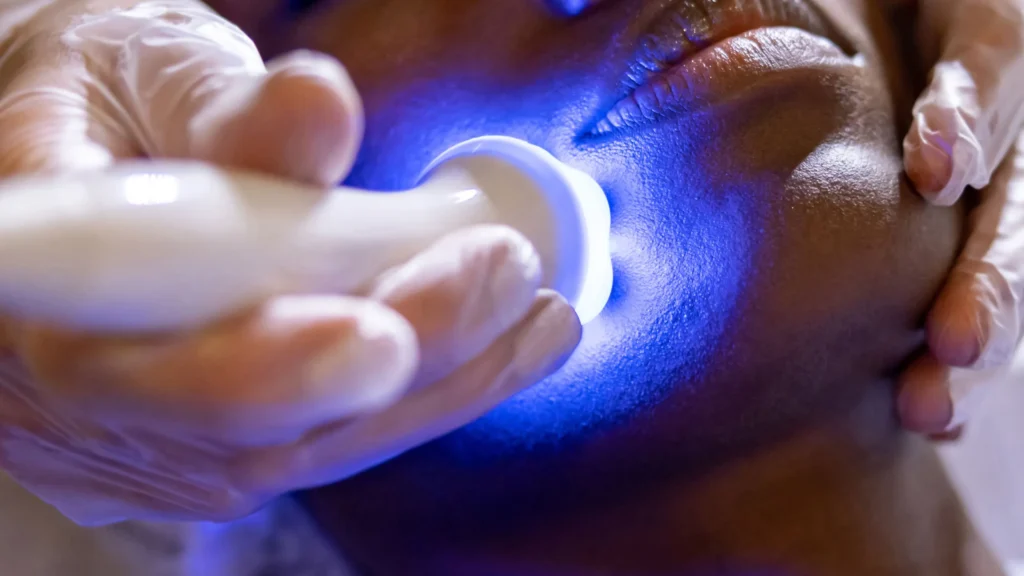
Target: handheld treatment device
x=157, y=246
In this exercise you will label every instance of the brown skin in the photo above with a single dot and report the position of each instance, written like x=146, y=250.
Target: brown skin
x=732, y=410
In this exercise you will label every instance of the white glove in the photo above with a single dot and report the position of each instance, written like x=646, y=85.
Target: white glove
x=965, y=126
x=303, y=390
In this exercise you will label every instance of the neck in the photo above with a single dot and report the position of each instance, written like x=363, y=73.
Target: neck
x=833, y=500
x=850, y=496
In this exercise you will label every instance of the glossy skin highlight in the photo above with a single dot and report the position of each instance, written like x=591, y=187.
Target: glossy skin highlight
x=772, y=266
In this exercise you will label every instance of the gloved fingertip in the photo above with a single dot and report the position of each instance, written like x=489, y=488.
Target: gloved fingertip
x=942, y=152
x=324, y=114
x=928, y=161
x=550, y=335
x=957, y=329
x=923, y=402
x=303, y=120
x=462, y=293
x=975, y=321
x=368, y=358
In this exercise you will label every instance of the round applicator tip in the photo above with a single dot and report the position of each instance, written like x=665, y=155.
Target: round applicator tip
x=580, y=210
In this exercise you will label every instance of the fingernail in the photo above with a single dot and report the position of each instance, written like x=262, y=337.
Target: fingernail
x=552, y=335
x=929, y=161
x=921, y=168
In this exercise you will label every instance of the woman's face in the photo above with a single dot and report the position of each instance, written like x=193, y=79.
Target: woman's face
x=769, y=263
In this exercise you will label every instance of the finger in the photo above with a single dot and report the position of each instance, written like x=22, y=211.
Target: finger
x=969, y=116
x=462, y=293
x=267, y=376
x=49, y=123
x=977, y=318
x=196, y=87
x=537, y=347
x=923, y=402
x=937, y=400
x=975, y=325
x=302, y=120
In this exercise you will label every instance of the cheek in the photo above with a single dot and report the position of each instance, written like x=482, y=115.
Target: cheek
x=693, y=205
x=699, y=207
x=693, y=208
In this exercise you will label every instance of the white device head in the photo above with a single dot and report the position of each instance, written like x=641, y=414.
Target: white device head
x=561, y=210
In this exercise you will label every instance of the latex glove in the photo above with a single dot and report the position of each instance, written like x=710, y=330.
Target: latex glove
x=303, y=390
x=964, y=126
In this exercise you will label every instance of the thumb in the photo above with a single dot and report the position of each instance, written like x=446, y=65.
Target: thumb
x=196, y=87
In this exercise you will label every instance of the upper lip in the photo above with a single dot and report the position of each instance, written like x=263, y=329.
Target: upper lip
x=677, y=30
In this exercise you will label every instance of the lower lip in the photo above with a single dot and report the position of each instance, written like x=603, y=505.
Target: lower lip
x=726, y=71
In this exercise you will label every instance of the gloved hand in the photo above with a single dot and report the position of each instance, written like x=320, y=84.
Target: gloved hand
x=965, y=125
x=301, y=391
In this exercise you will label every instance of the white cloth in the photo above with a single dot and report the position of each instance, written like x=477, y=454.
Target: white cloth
x=988, y=467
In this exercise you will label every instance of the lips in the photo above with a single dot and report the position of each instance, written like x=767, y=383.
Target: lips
x=696, y=51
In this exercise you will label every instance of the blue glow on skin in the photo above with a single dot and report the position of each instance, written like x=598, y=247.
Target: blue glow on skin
x=681, y=244
x=689, y=198
x=572, y=7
